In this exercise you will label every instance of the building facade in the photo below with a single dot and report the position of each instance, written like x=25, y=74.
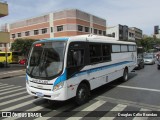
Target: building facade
x=157, y=31
x=62, y=23
x=124, y=33
x=4, y=34
x=138, y=33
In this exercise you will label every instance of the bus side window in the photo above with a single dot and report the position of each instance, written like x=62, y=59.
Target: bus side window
x=76, y=58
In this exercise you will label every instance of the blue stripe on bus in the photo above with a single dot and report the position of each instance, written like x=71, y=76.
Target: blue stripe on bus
x=63, y=77
x=55, y=39
x=100, y=68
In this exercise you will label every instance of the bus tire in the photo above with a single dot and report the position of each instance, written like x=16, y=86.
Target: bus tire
x=125, y=75
x=82, y=94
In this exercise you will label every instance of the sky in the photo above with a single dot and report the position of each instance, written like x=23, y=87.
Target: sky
x=143, y=14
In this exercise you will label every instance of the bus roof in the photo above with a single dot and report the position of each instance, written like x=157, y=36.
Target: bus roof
x=89, y=38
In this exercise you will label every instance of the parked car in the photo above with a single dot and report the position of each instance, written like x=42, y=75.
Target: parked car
x=22, y=61
x=149, y=59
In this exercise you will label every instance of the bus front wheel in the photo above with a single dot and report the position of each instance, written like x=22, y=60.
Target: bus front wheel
x=82, y=95
x=125, y=75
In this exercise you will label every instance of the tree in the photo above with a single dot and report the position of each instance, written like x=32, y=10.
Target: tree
x=149, y=43
x=22, y=45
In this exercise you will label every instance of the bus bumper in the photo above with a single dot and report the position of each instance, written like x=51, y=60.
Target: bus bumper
x=59, y=95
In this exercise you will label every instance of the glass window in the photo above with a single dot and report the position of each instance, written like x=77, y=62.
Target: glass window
x=27, y=33
x=36, y=32
x=106, y=52
x=44, y=30
x=100, y=32
x=13, y=35
x=19, y=34
x=76, y=57
x=124, y=48
x=46, y=59
x=116, y=48
x=131, y=48
x=104, y=33
x=80, y=28
x=86, y=29
x=95, y=53
x=60, y=28
x=95, y=31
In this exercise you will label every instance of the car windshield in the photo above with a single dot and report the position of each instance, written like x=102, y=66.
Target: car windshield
x=46, y=59
x=148, y=57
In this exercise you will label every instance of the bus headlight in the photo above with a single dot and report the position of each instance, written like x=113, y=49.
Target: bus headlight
x=58, y=86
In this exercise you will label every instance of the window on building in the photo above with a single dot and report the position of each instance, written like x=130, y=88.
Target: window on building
x=27, y=33
x=44, y=30
x=36, y=32
x=86, y=29
x=95, y=31
x=1, y=45
x=19, y=34
x=13, y=35
x=80, y=28
x=104, y=33
x=60, y=28
x=51, y=29
x=100, y=32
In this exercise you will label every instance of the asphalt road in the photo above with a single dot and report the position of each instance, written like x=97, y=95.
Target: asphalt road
x=140, y=93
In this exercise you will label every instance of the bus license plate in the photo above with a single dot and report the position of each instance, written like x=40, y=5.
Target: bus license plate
x=39, y=94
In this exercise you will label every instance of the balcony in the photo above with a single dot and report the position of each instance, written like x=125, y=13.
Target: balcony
x=4, y=37
x=3, y=8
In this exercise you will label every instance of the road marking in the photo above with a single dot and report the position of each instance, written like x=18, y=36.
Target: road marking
x=138, y=88
x=11, y=72
x=12, y=95
x=131, y=103
x=3, y=84
x=89, y=108
x=18, y=105
x=12, y=91
x=6, y=86
x=14, y=100
x=118, y=108
x=55, y=112
x=21, y=76
x=10, y=88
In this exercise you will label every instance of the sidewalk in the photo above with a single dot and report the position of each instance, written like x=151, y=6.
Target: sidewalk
x=13, y=70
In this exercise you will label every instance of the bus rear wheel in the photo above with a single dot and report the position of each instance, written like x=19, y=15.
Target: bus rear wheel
x=125, y=75
x=82, y=95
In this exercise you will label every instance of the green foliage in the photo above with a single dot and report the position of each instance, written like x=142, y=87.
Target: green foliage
x=22, y=45
x=148, y=43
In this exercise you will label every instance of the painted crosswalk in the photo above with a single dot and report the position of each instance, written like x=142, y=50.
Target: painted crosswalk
x=15, y=98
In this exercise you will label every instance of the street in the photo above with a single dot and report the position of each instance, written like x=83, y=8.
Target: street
x=140, y=93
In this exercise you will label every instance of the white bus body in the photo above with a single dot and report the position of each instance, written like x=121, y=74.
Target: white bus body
x=73, y=66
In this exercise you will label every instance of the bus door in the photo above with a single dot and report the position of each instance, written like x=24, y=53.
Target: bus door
x=76, y=59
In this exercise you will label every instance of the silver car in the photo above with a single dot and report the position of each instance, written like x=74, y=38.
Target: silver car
x=150, y=59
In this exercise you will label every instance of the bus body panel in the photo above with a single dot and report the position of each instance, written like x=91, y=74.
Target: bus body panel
x=96, y=74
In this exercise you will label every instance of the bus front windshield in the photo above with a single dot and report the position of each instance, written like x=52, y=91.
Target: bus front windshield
x=46, y=59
